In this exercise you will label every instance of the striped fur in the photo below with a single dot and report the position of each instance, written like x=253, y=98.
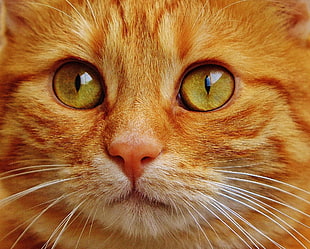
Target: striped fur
x=237, y=177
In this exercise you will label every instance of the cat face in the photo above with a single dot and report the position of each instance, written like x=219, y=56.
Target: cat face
x=132, y=124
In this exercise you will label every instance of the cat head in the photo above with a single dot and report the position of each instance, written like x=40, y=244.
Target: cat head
x=184, y=119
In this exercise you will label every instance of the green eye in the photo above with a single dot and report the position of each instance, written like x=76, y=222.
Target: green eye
x=207, y=88
x=78, y=85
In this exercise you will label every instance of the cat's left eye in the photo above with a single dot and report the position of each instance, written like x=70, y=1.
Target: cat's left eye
x=207, y=88
x=78, y=85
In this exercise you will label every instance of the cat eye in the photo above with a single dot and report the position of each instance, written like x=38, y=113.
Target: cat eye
x=207, y=88
x=78, y=85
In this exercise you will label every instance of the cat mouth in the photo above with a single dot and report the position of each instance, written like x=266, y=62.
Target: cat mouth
x=139, y=199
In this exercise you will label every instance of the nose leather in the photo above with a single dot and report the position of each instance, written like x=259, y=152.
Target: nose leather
x=135, y=154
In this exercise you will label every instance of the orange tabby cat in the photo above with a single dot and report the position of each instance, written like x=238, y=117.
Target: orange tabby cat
x=132, y=124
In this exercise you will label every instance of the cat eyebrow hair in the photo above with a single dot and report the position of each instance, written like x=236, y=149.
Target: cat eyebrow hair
x=54, y=8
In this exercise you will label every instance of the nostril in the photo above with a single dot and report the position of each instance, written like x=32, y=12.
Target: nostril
x=147, y=159
x=134, y=155
x=118, y=159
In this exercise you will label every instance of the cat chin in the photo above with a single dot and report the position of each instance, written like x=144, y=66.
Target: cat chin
x=137, y=214
x=141, y=219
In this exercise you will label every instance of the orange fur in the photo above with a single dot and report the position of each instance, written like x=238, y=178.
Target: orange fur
x=236, y=177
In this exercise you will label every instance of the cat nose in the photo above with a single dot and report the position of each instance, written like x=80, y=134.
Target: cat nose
x=135, y=155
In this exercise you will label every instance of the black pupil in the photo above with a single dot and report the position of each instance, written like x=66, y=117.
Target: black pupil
x=208, y=84
x=77, y=82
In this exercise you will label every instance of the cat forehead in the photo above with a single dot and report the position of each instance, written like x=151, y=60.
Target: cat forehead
x=139, y=16
x=93, y=29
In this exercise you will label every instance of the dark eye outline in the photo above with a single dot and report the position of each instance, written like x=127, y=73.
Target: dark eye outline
x=82, y=63
x=192, y=68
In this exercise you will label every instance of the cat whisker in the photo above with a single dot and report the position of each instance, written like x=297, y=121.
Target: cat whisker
x=203, y=218
x=188, y=205
x=219, y=11
x=250, y=195
x=61, y=228
x=23, y=193
x=255, y=201
x=248, y=224
x=54, y=8
x=232, y=4
x=33, y=167
x=264, y=214
x=75, y=9
x=37, y=217
x=27, y=221
x=52, y=168
x=250, y=237
x=84, y=227
x=82, y=22
x=231, y=220
x=225, y=224
x=177, y=209
x=231, y=160
x=30, y=161
x=239, y=166
x=266, y=185
x=92, y=12
x=96, y=205
x=201, y=12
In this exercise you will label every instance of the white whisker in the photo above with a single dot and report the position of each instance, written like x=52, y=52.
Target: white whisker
x=21, y=194
x=239, y=166
x=236, y=224
x=33, y=167
x=232, y=4
x=263, y=214
x=250, y=194
x=61, y=228
x=28, y=172
x=27, y=221
x=54, y=8
x=268, y=186
x=94, y=216
x=249, y=224
x=196, y=221
x=201, y=13
x=92, y=12
x=266, y=178
x=229, y=227
x=75, y=9
x=84, y=227
x=34, y=220
x=256, y=201
x=199, y=214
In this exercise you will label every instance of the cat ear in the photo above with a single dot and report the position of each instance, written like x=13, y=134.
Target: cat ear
x=6, y=14
x=298, y=14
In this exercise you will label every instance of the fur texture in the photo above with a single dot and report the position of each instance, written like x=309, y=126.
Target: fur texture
x=236, y=177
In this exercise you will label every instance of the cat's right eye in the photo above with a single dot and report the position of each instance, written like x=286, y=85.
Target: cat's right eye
x=78, y=85
x=207, y=88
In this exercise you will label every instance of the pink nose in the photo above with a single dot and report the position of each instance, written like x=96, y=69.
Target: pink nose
x=134, y=155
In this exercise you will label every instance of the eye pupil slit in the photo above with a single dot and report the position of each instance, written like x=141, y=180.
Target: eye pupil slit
x=208, y=83
x=77, y=82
